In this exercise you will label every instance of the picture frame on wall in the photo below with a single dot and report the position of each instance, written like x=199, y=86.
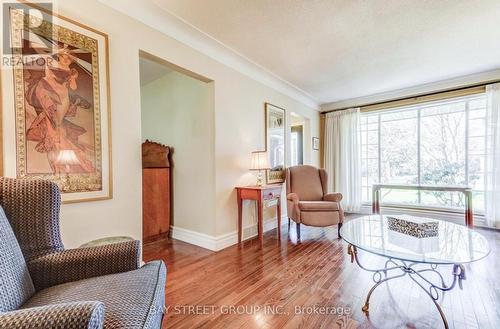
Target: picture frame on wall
x=275, y=143
x=56, y=114
x=315, y=143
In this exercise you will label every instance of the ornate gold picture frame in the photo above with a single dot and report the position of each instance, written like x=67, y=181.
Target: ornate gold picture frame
x=56, y=104
x=275, y=143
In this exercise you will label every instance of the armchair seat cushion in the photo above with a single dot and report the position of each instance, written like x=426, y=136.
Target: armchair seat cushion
x=318, y=206
x=132, y=299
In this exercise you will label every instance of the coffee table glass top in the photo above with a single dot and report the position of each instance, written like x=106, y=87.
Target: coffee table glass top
x=454, y=244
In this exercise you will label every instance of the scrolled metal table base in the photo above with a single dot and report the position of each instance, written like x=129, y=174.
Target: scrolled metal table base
x=403, y=268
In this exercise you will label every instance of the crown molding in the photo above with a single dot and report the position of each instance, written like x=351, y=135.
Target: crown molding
x=427, y=88
x=158, y=18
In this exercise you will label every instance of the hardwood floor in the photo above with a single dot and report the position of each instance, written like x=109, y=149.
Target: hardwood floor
x=265, y=286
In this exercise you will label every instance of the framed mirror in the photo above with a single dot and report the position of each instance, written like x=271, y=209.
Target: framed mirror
x=275, y=143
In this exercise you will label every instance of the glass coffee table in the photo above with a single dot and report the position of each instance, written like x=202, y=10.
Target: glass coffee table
x=417, y=258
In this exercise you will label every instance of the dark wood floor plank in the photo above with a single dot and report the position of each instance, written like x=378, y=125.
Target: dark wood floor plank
x=316, y=271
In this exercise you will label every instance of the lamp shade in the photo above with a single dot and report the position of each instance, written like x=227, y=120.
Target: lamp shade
x=67, y=158
x=259, y=161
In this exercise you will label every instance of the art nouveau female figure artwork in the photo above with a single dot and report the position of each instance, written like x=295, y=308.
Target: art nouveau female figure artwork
x=61, y=122
x=52, y=96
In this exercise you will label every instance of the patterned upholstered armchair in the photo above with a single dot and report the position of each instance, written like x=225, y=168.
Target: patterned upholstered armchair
x=308, y=200
x=42, y=285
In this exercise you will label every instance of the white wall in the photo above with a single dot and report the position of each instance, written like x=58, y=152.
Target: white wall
x=240, y=130
x=239, y=125
x=178, y=111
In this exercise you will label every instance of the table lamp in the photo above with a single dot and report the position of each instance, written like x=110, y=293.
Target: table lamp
x=259, y=162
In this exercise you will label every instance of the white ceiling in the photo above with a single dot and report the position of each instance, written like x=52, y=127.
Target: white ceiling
x=150, y=71
x=341, y=49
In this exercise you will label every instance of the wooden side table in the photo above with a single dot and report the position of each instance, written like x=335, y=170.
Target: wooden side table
x=259, y=194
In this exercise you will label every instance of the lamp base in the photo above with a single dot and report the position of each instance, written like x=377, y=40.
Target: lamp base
x=260, y=178
x=65, y=182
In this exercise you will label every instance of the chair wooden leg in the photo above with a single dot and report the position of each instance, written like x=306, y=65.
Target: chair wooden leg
x=298, y=231
x=339, y=226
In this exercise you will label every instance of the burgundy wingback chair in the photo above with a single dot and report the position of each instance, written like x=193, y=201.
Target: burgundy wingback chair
x=308, y=200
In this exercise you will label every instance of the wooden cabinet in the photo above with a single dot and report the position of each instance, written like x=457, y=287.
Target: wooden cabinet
x=156, y=191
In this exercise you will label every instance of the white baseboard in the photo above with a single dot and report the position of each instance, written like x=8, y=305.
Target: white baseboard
x=199, y=239
x=216, y=243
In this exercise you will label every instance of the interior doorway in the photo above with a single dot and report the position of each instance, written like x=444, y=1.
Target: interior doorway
x=177, y=129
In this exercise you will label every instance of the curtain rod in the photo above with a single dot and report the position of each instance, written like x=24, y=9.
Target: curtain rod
x=485, y=83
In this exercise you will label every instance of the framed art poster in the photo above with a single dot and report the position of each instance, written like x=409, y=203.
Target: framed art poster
x=275, y=143
x=56, y=105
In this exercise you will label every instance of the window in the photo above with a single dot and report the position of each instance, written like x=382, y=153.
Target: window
x=433, y=143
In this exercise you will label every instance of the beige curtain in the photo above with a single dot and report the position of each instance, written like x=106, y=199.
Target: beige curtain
x=342, y=156
x=492, y=166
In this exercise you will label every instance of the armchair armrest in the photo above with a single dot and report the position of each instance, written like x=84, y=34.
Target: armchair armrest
x=292, y=208
x=333, y=197
x=77, y=315
x=82, y=263
x=293, y=197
